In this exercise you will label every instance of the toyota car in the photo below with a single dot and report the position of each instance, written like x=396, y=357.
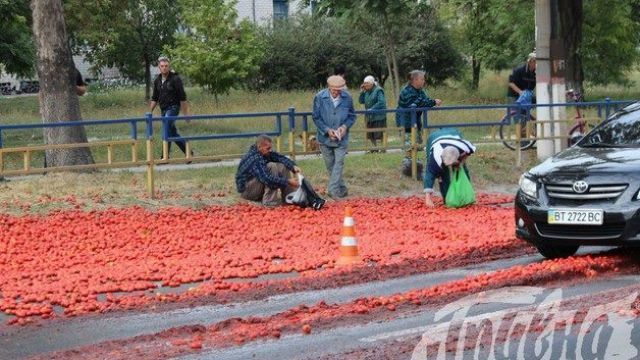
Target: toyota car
x=588, y=194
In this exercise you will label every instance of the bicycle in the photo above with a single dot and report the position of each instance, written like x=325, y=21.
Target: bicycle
x=580, y=128
x=521, y=113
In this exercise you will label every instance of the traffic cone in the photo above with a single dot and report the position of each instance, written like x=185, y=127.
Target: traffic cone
x=349, y=244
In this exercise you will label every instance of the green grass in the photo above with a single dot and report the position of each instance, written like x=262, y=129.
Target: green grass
x=127, y=103
x=368, y=175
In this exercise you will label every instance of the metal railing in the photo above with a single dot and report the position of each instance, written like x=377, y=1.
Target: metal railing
x=299, y=124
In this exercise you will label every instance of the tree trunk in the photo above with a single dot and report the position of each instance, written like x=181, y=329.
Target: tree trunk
x=147, y=78
x=392, y=62
x=475, y=68
x=396, y=71
x=59, y=101
x=390, y=72
x=571, y=17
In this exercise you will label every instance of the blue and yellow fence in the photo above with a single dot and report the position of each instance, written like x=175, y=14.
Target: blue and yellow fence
x=291, y=131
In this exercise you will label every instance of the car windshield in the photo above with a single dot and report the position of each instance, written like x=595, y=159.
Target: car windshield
x=623, y=131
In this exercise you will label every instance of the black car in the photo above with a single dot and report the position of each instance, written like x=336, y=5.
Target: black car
x=588, y=194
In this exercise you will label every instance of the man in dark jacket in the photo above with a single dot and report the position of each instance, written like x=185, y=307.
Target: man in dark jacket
x=263, y=172
x=413, y=95
x=522, y=78
x=168, y=92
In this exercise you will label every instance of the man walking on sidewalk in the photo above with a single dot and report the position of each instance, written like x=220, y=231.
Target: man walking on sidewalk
x=168, y=92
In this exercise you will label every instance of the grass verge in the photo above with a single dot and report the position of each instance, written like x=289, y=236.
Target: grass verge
x=366, y=175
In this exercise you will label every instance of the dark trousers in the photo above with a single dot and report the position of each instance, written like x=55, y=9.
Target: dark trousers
x=173, y=131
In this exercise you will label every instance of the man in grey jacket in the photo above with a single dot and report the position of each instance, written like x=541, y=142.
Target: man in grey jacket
x=333, y=114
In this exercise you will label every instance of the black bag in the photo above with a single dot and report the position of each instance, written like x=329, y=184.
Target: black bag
x=305, y=196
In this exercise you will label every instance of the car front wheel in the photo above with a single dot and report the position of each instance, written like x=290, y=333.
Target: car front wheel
x=556, y=251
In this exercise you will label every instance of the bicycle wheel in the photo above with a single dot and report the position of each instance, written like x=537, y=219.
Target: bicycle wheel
x=507, y=132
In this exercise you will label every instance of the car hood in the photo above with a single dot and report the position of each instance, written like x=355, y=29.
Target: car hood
x=591, y=160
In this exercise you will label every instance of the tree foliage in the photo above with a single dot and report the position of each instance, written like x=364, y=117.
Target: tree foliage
x=301, y=53
x=404, y=30
x=429, y=46
x=17, y=51
x=493, y=34
x=383, y=13
x=126, y=34
x=610, y=44
x=216, y=51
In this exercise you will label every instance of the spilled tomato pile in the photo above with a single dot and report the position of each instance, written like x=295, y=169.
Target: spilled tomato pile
x=73, y=262
x=309, y=319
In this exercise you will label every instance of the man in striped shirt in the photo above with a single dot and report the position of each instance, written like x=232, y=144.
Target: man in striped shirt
x=263, y=175
x=445, y=148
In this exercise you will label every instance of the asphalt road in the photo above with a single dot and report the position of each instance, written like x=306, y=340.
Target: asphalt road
x=17, y=342
x=338, y=341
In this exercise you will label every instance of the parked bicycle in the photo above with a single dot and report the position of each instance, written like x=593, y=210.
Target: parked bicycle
x=580, y=127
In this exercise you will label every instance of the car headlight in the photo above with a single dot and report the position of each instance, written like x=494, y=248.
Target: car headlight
x=638, y=195
x=528, y=186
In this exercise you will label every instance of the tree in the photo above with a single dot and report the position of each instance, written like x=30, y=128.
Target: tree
x=570, y=18
x=298, y=56
x=385, y=26
x=17, y=52
x=126, y=34
x=428, y=46
x=610, y=43
x=59, y=101
x=216, y=51
x=493, y=34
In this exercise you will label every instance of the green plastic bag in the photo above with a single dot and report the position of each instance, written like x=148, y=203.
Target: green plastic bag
x=460, y=192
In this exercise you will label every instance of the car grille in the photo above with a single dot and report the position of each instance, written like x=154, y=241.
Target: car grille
x=594, y=192
x=605, y=231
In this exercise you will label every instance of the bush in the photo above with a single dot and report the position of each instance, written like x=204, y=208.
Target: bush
x=429, y=47
x=302, y=52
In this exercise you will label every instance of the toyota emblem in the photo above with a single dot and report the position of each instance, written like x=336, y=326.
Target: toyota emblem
x=580, y=187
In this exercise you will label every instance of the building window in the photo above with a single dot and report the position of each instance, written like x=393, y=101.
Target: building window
x=280, y=9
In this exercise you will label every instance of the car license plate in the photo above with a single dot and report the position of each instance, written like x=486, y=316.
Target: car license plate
x=575, y=216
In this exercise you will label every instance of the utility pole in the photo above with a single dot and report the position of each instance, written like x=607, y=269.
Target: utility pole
x=253, y=10
x=550, y=83
x=558, y=85
x=543, y=77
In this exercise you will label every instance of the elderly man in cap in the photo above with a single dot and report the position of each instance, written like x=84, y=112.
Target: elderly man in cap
x=333, y=115
x=445, y=148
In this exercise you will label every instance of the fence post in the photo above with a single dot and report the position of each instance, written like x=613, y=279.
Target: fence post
x=134, y=146
x=1, y=146
x=134, y=130
x=414, y=152
x=279, y=138
x=165, y=135
x=517, y=145
x=292, y=132
x=425, y=119
x=150, y=161
x=607, y=108
x=305, y=133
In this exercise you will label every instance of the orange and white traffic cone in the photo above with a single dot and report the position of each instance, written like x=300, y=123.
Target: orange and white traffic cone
x=349, y=244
